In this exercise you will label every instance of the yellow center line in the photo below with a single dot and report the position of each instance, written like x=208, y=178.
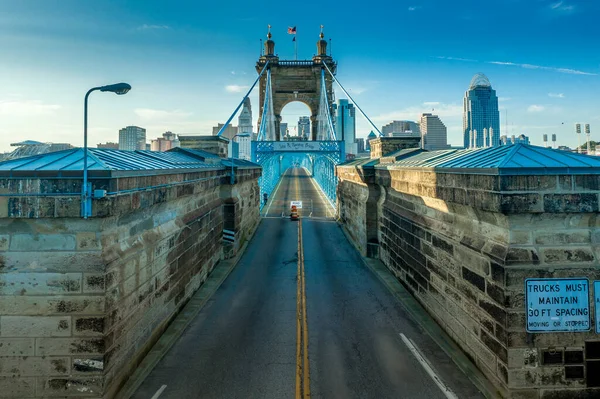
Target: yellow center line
x=302, y=365
x=298, y=323
x=306, y=369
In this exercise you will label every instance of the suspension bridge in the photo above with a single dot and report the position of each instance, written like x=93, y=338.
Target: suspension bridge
x=310, y=82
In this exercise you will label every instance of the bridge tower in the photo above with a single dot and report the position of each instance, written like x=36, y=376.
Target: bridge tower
x=297, y=80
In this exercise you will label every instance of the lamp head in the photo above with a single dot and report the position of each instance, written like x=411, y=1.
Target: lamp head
x=117, y=88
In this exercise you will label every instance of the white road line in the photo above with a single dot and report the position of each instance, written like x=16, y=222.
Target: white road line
x=157, y=394
x=415, y=351
x=274, y=194
x=321, y=195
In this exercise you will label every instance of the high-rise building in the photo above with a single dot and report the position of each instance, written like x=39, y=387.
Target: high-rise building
x=283, y=127
x=244, y=146
x=434, y=135
x=345, y=124
x=520, y=139
x=401, y=128
x=370, y=137
x=228, y=133
x=360, y=145
x=132, y=138
x=245, y=118
x=481, y=119
x=166, y=142
x=108, y=146
x=304, y=126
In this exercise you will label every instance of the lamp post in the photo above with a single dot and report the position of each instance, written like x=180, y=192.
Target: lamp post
x=232, y=141
x=118, y=88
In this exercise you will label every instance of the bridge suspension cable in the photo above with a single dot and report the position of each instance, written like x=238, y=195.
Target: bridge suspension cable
x=325, y=124
x=267, y=123
x=242, y=102
x=351, y=99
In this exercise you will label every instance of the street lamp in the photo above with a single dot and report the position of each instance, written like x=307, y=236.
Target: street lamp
x=117, y=88
x=232, y=140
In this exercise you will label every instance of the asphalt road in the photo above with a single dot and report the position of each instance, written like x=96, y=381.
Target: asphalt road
x=297, y=185
x=243, y=343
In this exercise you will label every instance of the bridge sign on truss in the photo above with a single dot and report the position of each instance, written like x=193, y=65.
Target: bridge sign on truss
x=302, y=146
x=557, y=305
x=297, y=204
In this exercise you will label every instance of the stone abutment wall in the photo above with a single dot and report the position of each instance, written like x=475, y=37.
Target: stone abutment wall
x=82, y=301
x=464, y=244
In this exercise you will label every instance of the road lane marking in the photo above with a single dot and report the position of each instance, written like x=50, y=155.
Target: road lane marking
x=306, y=369
x=302, y=364
x=274, y=193
x=157, y=394
x=326, y=202
x=421, y=359
x=298, y=321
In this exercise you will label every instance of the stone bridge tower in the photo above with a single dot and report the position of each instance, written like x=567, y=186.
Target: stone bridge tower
x=297, y=80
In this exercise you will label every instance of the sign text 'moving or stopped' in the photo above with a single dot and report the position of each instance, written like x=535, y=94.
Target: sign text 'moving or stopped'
x=557, y=305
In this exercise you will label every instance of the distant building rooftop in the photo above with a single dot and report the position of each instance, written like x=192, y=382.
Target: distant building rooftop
x=26, y=142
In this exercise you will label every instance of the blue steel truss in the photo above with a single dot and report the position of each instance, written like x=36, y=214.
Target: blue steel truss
x=322, y=158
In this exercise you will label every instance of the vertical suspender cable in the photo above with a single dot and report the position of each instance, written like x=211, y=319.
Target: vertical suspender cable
x=324, y=92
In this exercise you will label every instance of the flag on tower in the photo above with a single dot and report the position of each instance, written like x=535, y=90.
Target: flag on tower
x=291, y=31
x=294, y=39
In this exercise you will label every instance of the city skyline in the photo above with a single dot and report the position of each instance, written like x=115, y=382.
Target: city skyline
x=54, y=53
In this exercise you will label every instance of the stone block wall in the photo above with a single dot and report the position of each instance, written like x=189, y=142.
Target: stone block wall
x=464, y=245
x=82, y=301
x=353, y=195
x=51, y=288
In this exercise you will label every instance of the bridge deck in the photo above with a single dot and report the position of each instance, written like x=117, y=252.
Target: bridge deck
x=297, y=185
x=243, y=343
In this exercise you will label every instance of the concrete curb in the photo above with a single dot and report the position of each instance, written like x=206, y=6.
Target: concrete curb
x=181, y=321
x=428, y=324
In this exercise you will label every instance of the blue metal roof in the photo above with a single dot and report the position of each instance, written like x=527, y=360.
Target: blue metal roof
x=520, y=159
x=199, y=153
x=105, y=160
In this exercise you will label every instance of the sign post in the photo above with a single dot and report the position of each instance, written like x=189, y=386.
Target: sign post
x=297, y=204
x=557, y=305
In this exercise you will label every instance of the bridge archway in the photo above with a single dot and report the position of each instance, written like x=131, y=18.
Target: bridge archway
x=290, y=114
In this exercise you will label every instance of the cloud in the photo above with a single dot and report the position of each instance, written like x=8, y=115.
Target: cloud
x=544, y=68
x=414, y=112
x=526, y=66
x=159, y=114
x=562, y=7
x=431, y=103
x=236, y=88
x=556, y=95
x=27, y=108
x=357, y=90
x=456, y=59
x=502, y=99
x=413, y=8
x=153, y=27
x=535, y=108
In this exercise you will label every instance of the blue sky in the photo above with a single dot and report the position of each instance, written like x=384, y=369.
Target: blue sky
x=189, y=62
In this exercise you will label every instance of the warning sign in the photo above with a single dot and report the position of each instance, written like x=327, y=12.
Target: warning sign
x=298, y=204
x=555, y=305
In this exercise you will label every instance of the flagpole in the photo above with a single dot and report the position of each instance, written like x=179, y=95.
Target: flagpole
x=295, y=48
